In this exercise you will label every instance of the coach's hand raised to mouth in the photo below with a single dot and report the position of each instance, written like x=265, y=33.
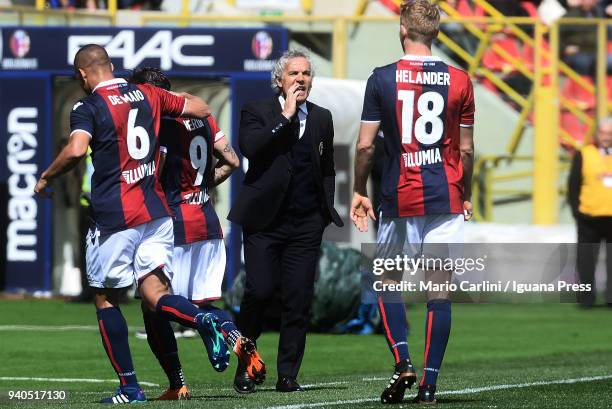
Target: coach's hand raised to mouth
x=296, y=90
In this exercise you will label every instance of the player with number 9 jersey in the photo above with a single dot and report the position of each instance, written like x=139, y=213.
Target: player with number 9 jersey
x=421, y=103
x=123, y=121
x=187, y=171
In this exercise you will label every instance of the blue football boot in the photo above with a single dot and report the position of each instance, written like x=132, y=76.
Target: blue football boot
x=210, y=331
x=126, y=394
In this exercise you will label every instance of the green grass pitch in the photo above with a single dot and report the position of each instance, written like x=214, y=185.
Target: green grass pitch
x=495, y=356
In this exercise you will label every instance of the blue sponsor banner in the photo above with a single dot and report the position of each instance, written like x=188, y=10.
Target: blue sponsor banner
x=210, y=51
x=25, y=224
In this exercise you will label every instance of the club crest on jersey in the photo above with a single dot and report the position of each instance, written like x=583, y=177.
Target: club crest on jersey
x=135, y=175
x=420, y=158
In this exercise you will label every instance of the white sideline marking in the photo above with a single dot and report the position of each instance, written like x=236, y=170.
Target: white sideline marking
x=307, y=386
x=455, y=392
x=375, y=379
x=48, y=327
x=526, y=385
x=85, y=380
x=314, y=385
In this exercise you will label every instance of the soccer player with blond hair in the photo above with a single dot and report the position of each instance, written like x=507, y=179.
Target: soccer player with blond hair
x=425, y=109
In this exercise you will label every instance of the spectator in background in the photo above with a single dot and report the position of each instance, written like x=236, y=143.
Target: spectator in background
x=74, y=4
x=457, y=31
x=606, y=5
x=140, y=4
x=509, y=8
x=580, y=41
x=590, y=197
x=62, y=4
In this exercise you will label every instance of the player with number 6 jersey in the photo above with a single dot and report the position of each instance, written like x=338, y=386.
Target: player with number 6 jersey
x=133, y=240
x=125, y=119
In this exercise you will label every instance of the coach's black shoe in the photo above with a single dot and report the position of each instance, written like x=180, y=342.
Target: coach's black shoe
x=288, y=384
x=242, y=382
x=403, y=378
x=426, y=395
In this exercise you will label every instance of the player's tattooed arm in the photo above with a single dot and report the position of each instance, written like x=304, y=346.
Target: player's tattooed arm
x=228, y=161
x=68, y=158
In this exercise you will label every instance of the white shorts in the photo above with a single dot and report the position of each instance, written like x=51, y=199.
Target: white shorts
x=119, y=259
x=198, y=270
x=409, y=235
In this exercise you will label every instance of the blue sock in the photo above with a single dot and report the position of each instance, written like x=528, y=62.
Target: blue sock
x=114, y=332
x=178, y=309
x=393, y=314
x=230, y=331
x=437, y=330
x=162, y=342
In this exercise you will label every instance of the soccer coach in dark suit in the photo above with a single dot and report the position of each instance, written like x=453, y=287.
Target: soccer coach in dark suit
x=284, y=204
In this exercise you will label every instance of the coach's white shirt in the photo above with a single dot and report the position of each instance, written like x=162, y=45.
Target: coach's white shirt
x=302, y=114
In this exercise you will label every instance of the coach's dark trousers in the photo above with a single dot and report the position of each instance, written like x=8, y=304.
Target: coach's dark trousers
x=286, y=254
x=591, y=231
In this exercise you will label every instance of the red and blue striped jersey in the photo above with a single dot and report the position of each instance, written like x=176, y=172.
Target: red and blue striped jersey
x=189, y=167
x=421, y=103
x=123, y=121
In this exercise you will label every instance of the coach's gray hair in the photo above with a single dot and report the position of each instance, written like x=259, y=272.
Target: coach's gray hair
x=281, y=63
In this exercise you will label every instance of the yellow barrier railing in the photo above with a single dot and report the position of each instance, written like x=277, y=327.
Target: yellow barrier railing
x=545, y=78
x=487, y=180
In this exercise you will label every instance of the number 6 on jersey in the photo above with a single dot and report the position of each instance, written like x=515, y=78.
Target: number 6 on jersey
x=136, y=135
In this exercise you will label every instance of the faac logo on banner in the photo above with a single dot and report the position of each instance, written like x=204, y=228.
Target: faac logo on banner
x=161, y=46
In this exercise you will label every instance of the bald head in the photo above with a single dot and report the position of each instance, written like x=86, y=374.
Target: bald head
x=92, y=56
x=92, y=65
